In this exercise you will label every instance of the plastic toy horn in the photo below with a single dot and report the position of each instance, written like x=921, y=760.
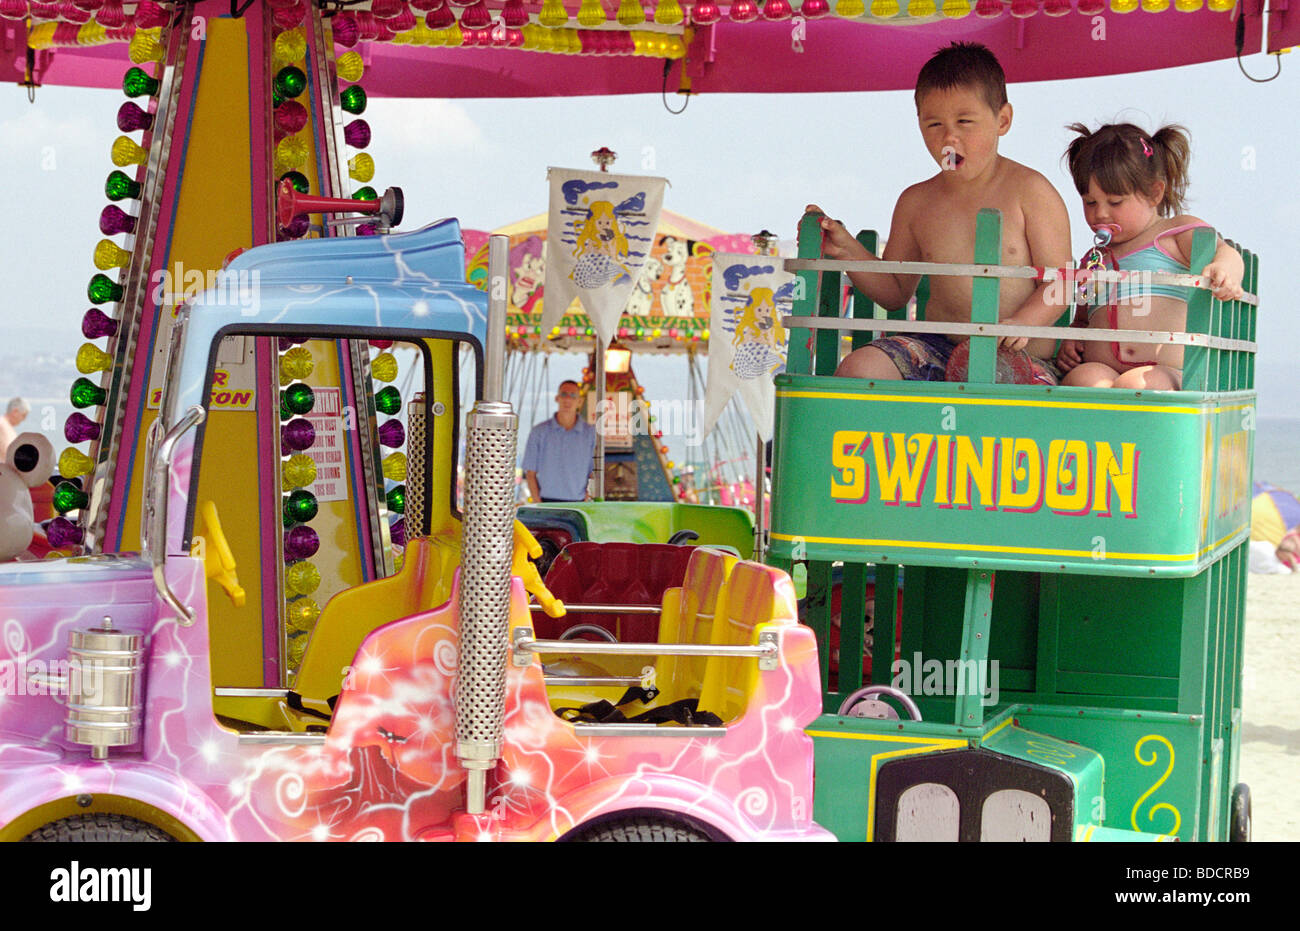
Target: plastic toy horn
x=289, y=203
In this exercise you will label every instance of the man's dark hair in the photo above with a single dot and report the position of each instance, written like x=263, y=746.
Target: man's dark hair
x=568, y=381
x=964, y=64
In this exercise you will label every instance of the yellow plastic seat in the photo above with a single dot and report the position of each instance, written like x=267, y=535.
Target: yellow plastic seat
x=752, y=602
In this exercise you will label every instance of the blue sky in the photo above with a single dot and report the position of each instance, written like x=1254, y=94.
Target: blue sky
x=737, y=162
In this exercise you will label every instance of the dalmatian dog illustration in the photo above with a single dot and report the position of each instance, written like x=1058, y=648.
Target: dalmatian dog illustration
x=676, y=298
x=643, y=295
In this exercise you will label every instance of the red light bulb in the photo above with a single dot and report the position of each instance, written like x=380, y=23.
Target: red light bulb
x=776, y=10
x=705, y=13
x=743, y=11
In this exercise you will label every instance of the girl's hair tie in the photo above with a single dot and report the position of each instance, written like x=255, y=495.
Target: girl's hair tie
x=1146, y=148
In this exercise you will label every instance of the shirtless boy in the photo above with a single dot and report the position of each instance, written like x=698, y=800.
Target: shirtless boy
x=962, y=109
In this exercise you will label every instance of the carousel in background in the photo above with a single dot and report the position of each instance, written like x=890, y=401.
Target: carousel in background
x=668, y=318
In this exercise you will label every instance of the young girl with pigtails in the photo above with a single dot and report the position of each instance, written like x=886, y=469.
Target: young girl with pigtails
x=1133, y=185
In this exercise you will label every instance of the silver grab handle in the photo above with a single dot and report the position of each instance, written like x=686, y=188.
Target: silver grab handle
x=153, y=535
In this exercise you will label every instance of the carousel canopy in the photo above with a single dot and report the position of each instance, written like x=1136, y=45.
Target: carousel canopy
x=536, y=49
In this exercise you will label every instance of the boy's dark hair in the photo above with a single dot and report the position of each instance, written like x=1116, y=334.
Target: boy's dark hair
x=964, y=64
x=1126, y=160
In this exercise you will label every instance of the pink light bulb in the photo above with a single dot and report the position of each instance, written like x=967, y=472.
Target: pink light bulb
x=13, y=9
x=1023, y=9
x=290, y=117
x=705, y=13
x=149, y=14
x=814, y=9
x=346, y=32
x=1057, y=7
x=385, y=9
x=1092, y=7
x=988, y=9
x=514, y=15
x=95, y=323
x=776, y=10
x=441, y=18
x=743, y=11
x=515, y=38
x=428, y=6
x=476, y=17
x=403, y=21
x=72, y=13
x=357, y=134
x=113, y=220
x=111, y=15
x=290, y=17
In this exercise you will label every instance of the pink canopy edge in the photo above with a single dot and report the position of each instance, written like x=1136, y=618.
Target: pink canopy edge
x=838, y=55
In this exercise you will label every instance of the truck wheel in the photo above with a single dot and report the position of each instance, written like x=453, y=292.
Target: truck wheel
x=638, y=830
x=1239, y=826
x=98, y=829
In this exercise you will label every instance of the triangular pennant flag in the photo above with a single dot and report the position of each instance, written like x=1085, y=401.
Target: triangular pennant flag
x=600, y=231
x=747, y=342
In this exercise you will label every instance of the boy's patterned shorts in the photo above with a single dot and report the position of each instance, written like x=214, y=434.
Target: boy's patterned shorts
x=917, y=356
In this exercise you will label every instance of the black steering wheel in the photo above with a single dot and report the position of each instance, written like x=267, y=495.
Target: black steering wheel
x=864, y=694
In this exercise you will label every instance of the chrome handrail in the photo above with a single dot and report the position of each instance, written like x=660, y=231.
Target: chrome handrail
x=153, y=526
x=523, y=644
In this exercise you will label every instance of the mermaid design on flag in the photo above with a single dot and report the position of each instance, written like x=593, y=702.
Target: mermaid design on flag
x=758, y=338
x=602, y=248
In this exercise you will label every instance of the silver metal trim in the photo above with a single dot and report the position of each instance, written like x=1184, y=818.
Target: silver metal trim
x=603, y=609
x=106, y=451
x=1030, y=272
x=282, y=738
x=592, y=680
x=494, y=361
x=154, y=520
x=523, y=644
x=646, y=730
x=230, y=692
x=1087, y=335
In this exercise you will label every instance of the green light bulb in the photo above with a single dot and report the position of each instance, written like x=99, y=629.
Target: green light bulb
x=68, y=497
x=103, y=290
x=290, y=82
x=119, y=186
x=397, y=499
x=135, y=83
x=365, y=193
x=297, y=179
x=299, y=507
x=299, y=398
x=353, y=99
x=86, y=393
x=388, y=401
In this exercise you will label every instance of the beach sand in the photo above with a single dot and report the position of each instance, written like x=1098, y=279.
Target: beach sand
x=1270, y=738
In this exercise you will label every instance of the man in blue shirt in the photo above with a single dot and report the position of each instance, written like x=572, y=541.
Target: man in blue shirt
x=558, y=455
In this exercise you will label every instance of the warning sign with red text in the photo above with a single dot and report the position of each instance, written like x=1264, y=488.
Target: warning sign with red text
x=328, y=452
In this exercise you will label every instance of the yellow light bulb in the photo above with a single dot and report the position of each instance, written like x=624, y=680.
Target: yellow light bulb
x=553, y=14
x=1188, y=6
x=350, y=67
x=298, y=471
x=921, y=8
x=302, y=578
x=383, y=367
x=668, y=13
x=956, y=9
x=591, y=13
x=127, y=153
x=394, y=467
x=630, y=13
x=92, y=33
x=1123, y=6
x=91, y=359
x=290, y=153
x=301, y=614
x=850, y=9
x=296, y=365
x=362, y=167
x=145, y=47
x=883, y=9
x=290, y=47
x=455, y=38
x=74, y=463
x=109, y=254
x=1155, y=6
